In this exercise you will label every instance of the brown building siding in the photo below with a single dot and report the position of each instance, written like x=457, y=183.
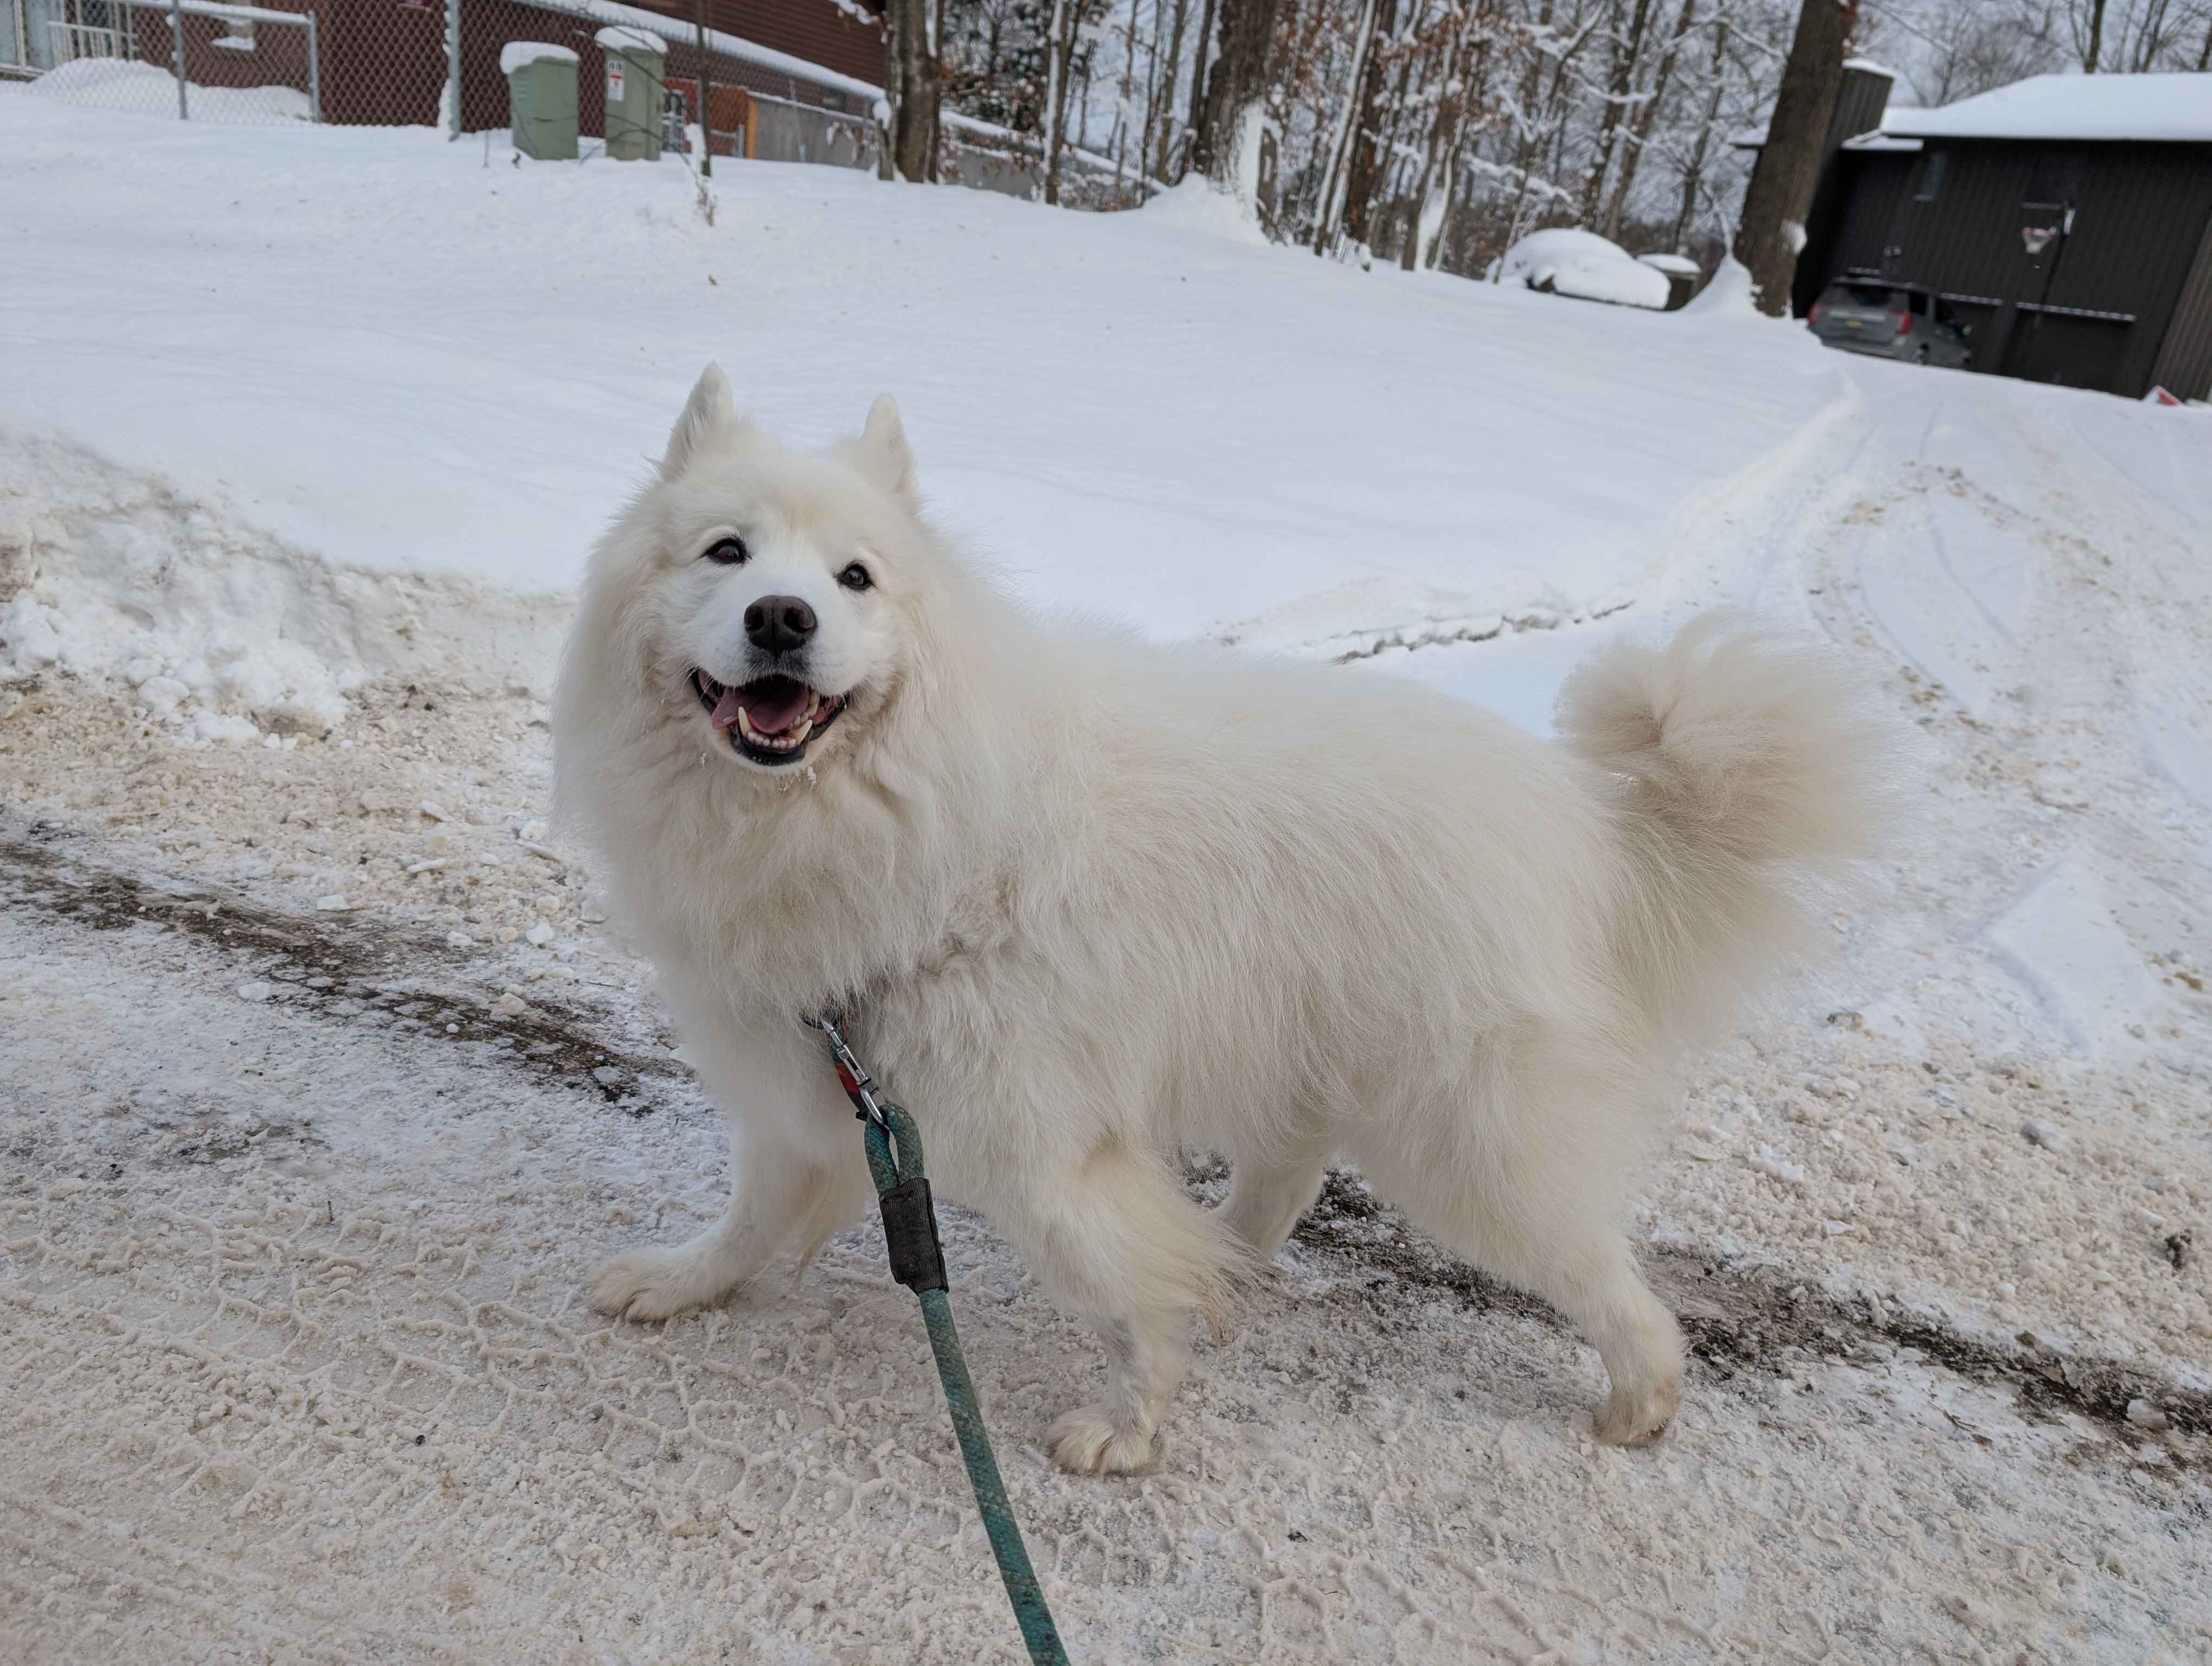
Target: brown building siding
x=820, y=31
x=383, y=61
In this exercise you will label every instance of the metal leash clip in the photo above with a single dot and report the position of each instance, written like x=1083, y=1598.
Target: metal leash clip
x=852, y=1075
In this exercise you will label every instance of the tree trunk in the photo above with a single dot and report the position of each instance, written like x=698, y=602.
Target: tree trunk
x=1236, y=88
x=1337, y=173
x=2096, y=37
x=1119, y=137
x=1359, y=171
x=1772, y=228
x=1432, y=201
x=1169, y=89
x=910, y=88
x=706, y=98
x=1155, y=87
x=1619, y=80
x=1201, y=72
x=1055, y=94
x=1647, y=117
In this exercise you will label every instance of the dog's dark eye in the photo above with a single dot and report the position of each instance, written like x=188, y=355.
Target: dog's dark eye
x=729, y=552
x=855, y=577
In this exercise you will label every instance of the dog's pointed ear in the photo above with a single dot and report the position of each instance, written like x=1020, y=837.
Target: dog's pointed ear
x=884, y=451
x=710, y=411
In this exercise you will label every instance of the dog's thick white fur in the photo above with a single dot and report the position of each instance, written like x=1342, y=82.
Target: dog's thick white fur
x=1094, y=901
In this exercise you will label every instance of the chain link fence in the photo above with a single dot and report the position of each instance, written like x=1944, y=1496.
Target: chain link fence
x=202, y=60
x=440, y=63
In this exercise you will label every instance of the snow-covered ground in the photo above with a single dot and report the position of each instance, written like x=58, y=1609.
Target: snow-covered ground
x=327, y=1082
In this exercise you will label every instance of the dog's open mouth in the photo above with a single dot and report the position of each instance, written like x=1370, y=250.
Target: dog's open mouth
x=770, y=719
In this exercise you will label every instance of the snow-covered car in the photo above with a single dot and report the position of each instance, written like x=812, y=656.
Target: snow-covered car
x=1566, y=261
x=1890, y=321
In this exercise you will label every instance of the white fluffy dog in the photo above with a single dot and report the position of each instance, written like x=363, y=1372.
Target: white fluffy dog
x=1092, y=901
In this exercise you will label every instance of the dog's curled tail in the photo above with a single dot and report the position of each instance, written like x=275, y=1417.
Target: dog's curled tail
x=1751, y=770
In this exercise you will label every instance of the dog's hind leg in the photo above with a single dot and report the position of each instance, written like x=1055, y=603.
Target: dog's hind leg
x=1118, y=1242
x=1595, y=1284
x=1270, y=1188
x=782, y=1195
x=1514, y=1176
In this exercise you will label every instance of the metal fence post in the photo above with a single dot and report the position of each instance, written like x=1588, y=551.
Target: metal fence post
x=177, y=31
x=314, y=73
x=453, y=63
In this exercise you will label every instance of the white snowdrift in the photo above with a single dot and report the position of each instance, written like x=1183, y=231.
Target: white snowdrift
x=1568, y=261
x=1729, y=294
x=113, y=84
x=435, y=405
x=1195, y=205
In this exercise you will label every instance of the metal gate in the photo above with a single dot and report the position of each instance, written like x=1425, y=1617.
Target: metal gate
x=201, y=60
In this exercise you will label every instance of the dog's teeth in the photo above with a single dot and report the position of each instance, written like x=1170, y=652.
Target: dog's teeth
x=798, y=735
x=745, y=726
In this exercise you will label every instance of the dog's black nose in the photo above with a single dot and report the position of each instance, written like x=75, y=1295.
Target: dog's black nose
x=777, y=624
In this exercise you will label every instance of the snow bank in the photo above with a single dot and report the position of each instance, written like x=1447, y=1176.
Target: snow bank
x=113, y=84
x=395, y=410
x=218, y=630
x=1729, y=294
x=1195, y=205
x=516, y=53
x=1680, y=264
x=1567, y=261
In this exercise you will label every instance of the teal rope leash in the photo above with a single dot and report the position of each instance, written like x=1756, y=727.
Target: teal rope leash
x=894, y=1146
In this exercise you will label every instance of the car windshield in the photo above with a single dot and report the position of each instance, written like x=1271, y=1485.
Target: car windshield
x=1867, y=295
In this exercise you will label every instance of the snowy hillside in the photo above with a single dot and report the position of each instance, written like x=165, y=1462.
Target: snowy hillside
x=329, y=1081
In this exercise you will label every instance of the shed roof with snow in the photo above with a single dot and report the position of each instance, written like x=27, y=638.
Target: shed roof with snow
x=2145, y=109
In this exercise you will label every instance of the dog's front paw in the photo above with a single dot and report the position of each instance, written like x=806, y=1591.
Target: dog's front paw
x=1092, y=1441
x=1640, y=1416
x=650, y=1284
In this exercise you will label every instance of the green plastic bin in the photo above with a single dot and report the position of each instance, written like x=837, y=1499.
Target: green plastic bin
x=541, y=99
x=635, y=78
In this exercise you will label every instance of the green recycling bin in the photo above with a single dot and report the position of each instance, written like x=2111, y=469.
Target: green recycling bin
x=635, y=80
x=541, y=99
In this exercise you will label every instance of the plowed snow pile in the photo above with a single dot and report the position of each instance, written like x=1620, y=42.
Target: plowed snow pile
x=328, y=1083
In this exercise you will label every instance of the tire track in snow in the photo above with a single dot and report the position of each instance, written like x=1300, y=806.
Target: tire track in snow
x=1738, y=1316
x=321, y=962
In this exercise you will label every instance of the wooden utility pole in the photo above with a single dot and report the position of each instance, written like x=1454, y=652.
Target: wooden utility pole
x=1780, y=194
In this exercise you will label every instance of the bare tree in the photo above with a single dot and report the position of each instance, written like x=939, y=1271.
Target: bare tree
x=1336, y=177
x=1638, y=136
x=1693, y=173
x=1359, y=168
x=1059, y=45
x=1775, y=203
x=1466, y=43
x=1626, y=46
x=1200, y=66
x=911, y=87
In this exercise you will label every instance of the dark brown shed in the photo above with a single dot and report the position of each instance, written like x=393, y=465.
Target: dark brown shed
x=2067, y=219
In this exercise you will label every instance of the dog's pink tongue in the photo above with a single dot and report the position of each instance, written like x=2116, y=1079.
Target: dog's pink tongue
x=773, y=703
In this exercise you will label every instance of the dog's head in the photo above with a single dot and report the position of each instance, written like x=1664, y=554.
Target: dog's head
x=771, y=600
